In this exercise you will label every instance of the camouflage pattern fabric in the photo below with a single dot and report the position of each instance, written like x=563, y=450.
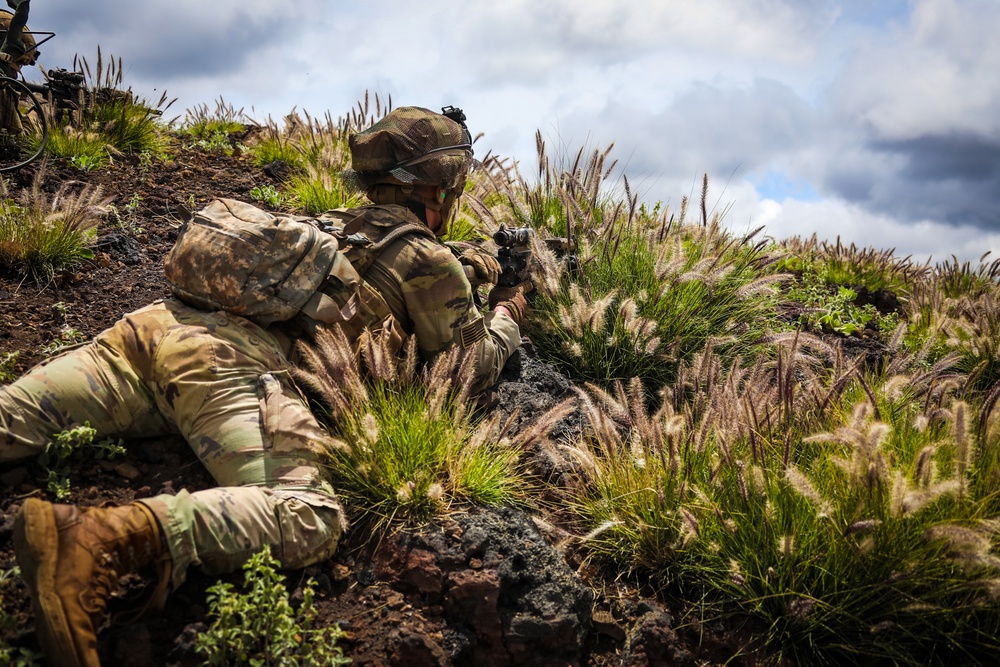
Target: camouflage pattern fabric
x=217, y=530
x=412, y=145
x=430, y=297
x=220, y=382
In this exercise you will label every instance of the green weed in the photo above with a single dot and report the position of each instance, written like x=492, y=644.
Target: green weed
x=260, y=627
x=84, y=157
x=268, y=194
x=68, y=337
x=8, y=365
x=71, y=445
x=129, y=220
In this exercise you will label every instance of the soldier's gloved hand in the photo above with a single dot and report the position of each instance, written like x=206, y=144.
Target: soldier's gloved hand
x=511, y=298
x=485, y=267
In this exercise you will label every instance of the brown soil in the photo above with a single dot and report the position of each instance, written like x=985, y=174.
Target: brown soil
x=479, y=587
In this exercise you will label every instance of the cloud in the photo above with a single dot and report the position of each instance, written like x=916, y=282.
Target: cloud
x=886, y=111
x=170, y=41
x=934, y=75
x=923, y=240
x=922, y=106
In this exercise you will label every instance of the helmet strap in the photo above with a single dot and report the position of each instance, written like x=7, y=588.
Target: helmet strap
x=391, y=193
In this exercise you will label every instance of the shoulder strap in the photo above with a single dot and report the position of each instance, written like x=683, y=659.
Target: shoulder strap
x=369, y=230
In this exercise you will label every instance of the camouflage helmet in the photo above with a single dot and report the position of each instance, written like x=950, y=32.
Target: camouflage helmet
x=413, y=146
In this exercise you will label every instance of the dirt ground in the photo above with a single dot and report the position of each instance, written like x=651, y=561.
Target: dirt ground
x=478, y=588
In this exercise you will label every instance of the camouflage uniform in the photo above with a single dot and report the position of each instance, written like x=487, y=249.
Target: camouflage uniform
x=221, y=382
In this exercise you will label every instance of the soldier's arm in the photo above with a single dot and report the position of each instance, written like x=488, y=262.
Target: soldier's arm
x=428, y=292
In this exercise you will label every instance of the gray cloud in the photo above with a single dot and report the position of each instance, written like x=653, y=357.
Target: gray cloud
x=889, y=108
x=166, y=42
x=954, y=179
x=919, y=112
x=707, y=129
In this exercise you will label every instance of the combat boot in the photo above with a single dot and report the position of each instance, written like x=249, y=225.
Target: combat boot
x=72, y=558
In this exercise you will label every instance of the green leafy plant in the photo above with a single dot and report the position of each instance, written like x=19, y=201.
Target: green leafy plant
x=8, y=365
x=70, y=445
x=84, y=161
x=68, y=337
x=260, y=627
x=267, y=194
x=145, y=165
x=831, y=306
x=129, y=220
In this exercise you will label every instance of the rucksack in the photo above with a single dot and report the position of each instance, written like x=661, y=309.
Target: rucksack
x=269, y=268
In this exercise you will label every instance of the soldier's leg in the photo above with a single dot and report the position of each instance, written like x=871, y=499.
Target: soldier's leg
x=217, y=530
x=221, y=381
x=92, y=384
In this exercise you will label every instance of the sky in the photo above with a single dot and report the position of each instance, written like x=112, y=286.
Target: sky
x=875, y=121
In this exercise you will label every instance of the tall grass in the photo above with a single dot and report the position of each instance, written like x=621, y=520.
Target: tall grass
x=108, y=120
x=841, y=508
x=315, y=154
x=42, y=233
x=406, y=443
x=638, y=291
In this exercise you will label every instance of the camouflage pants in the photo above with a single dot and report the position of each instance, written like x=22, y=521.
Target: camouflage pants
x=220, y=382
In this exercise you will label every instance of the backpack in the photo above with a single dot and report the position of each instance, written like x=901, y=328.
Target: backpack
x=235, y=257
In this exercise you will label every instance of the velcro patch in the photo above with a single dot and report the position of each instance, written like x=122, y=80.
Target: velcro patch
x=472, y=333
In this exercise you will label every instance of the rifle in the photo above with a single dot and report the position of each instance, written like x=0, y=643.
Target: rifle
x=514, y=253
x=66, y=89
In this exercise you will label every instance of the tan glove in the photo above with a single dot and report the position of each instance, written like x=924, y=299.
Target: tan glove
x=511, y=298
x=485, y=268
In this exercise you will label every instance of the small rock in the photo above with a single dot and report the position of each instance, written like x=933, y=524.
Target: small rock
x=127, y=471
x=340, y=572
x=366, y=577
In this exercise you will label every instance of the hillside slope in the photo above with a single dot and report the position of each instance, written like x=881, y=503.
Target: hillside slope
x=480, y=587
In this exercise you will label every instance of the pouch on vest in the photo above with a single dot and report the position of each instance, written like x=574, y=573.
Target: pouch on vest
x=235, y=257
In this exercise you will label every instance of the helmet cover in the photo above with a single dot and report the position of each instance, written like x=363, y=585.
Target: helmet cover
x=412, y=146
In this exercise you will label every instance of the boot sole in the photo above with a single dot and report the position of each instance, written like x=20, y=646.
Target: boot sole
x=36, y=543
